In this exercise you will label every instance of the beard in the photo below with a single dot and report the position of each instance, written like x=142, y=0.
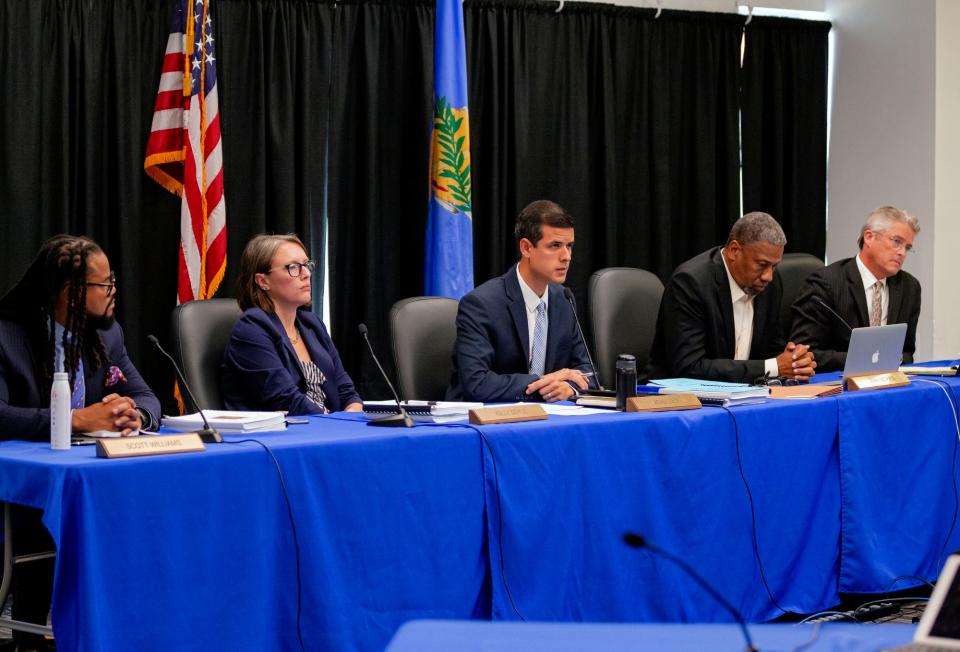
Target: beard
x=101, y=322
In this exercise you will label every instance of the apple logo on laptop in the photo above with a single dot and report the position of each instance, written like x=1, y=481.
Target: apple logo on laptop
x=875, y=358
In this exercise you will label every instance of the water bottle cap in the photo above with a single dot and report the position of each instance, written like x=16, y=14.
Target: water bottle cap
x=627, y=357
x=60, y=375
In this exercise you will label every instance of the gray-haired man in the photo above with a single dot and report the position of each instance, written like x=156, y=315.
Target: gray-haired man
x=869, y=289
x=719, y=317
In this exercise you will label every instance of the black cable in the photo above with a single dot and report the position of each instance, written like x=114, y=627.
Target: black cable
x=293, y=525
x=907, y=577
x=953, y=467
x=496, y=488
x=753, y=514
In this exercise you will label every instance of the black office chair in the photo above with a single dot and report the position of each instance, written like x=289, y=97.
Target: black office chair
x=423, y=330
x=624, y=302
x=794, y=270
x=200, y=332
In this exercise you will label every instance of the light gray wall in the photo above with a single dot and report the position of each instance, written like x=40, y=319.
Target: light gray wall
x=883, y=128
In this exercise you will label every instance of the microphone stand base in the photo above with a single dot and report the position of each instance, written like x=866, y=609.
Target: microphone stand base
x=399, y=420
x=208, y=436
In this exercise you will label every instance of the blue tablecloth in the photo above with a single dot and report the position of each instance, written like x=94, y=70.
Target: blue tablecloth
x=848, y=494
x=195, y=551
x=436, y=636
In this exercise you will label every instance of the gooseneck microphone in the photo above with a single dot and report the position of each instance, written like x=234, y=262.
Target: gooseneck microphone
x=399, y=420
x=568, y=294
x=637, y=541
x=209, y=434
x=834, y=312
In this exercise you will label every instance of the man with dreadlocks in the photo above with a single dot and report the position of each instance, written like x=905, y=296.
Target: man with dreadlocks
x=59, y=317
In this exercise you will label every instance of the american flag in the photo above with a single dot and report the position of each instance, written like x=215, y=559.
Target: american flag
x=184, y=153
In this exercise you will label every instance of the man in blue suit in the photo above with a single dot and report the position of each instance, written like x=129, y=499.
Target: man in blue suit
x=517, y=337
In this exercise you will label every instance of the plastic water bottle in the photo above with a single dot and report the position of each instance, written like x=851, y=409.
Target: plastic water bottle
x=60, y=426
x=626, y=379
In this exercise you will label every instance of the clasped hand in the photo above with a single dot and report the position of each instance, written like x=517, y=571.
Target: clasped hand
x=113, y=413
x=796, y=361
x=555, y=386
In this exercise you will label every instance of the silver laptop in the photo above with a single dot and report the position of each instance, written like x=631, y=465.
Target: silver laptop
x=875, y=350
x=939, y=629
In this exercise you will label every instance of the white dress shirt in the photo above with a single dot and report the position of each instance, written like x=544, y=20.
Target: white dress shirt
x=531, y=301
x=868, y=280
x=743, y=322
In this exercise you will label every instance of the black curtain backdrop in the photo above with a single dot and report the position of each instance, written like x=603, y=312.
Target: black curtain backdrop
x=379, y=169
x=628, y=121
x=784, y=113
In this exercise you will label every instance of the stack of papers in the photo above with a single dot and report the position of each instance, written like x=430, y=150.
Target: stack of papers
x=714, y=392
x=424, y=411
x=228, y=421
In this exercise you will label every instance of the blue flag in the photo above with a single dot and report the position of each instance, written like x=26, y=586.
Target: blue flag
x=449, y=249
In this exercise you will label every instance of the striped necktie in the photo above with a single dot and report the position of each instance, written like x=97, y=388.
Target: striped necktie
x=538, y=351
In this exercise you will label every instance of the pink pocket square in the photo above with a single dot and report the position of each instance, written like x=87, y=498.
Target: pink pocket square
x=114, y=376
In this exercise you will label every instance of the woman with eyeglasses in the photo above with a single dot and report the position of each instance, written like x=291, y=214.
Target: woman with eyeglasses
x=280, y=356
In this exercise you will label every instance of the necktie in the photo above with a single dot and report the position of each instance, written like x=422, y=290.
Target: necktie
x=538, y=351
x=876, y=308
x=79, y=397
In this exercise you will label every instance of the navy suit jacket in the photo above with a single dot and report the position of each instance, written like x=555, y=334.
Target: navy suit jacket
x=25, y=400
x=490, y=355
x=261, y=371
x=695, y=330
x=840, y=286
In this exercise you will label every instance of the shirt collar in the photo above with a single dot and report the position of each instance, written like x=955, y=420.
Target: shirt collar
x=867, y=276
x=736, y=292
x=530, y=298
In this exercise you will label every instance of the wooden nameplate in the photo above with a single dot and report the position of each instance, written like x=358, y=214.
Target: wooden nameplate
x=876, y=381
x=663, y=402
x=149, y=445
x=507, y=414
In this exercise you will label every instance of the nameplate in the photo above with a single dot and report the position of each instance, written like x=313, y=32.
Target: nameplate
x=507, y=414
x=877, y=381
x=663, y=402
x=149, y=445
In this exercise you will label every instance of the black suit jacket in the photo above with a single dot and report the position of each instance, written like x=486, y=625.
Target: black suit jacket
x=25, y=401
x=490, y=354
x=840, y=286
x=695, y=331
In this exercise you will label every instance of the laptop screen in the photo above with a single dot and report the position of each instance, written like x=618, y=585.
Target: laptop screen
x=947, y=622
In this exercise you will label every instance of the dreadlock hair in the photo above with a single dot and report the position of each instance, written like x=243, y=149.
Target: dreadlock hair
x=60, y=263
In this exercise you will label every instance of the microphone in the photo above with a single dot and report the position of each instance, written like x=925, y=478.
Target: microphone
x=568, y=294
x=399, y=420
x=834, y=312
x=209, y=434
x=635, y=540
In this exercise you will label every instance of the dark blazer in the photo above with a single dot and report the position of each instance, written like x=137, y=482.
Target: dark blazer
x=490, y=355
x=695, y=333
x=261, y=370
x=25, y=400
x=840, y=286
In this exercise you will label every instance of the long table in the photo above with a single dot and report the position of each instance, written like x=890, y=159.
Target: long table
x=196, y=551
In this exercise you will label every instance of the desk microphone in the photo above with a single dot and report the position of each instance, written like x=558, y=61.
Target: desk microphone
x=834, y=312
x=569, y=296
x=399, y=420
x=637, y=541
x=209, y=434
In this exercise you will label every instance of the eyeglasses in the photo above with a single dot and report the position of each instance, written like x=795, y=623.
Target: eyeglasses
x=899, y=243
x=296, y=269
x=111, y=285
x=767, y=380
